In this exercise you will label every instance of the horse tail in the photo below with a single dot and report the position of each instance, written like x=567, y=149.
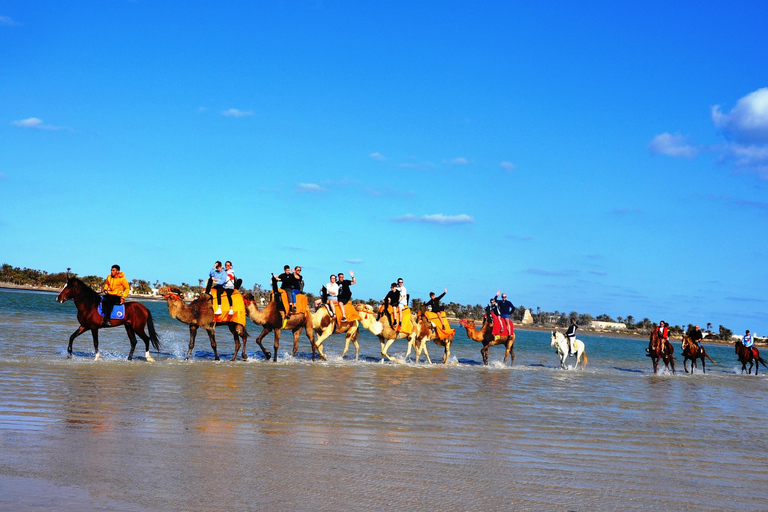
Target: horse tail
x=763, y=361
x=152, y=332
x=584, y=359
x=710, y=359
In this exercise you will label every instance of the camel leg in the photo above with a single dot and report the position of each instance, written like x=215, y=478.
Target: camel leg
x=277, y=344
x=447, y=353
x=240, y=330
x=80, y=330
x=384, y=348
x=484, y=353
x=237, y=342
x=212, y=337
x=296, y=334
x=426, y=351
x=192, y=335
x=417, y=353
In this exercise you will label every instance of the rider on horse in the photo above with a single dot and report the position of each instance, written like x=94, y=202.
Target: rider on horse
x=570, y=335
x=696, y=336
x=749, y=341
x=662, y=332
x=116, y=288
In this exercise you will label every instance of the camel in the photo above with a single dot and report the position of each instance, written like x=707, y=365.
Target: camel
x=199, y=313
x=271, y=320
x=424, y=332
x=324, y=326
x=384, y=331
x=692, y=352
x=486, y=337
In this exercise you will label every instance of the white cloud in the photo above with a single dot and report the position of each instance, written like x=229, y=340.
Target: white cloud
x=747, y=122
x=354, y=261
x=35, y=123
x=310, y=187
x=6, y=21
x=507, y=166
x=437, y=218
x=234, y=112
x=459, y=161
x=378, y=156
x=674, y=145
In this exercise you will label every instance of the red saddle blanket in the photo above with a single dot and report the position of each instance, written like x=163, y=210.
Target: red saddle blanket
x=502, y=326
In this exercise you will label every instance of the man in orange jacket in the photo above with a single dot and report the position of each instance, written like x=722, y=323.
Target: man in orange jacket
x=115, y=290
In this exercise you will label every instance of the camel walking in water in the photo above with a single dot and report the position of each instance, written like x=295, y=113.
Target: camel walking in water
x=199, y=313
x=692, y=352
x=384, y=331
x=424, y=332
x=324, y=326
x=486, y=337
x=271, y=320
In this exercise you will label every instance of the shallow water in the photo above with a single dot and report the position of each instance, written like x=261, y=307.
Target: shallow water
x=300, y=435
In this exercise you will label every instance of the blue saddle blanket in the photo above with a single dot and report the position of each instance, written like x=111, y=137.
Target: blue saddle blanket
x=118, y=312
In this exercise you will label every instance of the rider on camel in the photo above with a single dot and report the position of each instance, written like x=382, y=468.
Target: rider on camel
x=345, y=294
x=506, y=308
x=434, y=305
x=116, y=288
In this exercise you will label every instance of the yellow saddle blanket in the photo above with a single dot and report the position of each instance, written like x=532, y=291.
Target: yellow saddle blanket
x=407, y=325
x=441, y=325
x=302, y=305
x=237, y=305
x=349, y=309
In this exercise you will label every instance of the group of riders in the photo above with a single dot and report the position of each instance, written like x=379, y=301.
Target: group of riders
x=337, y=291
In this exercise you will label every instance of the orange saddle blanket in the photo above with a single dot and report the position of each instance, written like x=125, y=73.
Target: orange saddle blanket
x=441, y=325
x=349, y=309
x=302, y=306
x=237, y=305
x=407, y=324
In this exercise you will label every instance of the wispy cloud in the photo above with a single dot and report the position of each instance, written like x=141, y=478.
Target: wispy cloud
x=598, y=272
x=234, y=112
x=386, y=191
x=507, y=166
x=438, y=218
x=378, y=156
x=354, y=261
x=626, y=211
x=6, y=21
x=422, y=166
x=674, y=145
x=552, y=273
x=524, y=238
x=36, y=124
x=310, y=187
x=760, y=206
x=295, y=248
x=460, y=160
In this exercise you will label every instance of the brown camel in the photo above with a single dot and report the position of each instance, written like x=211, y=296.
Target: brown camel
x=271, y=320
x=691, y=351
x=422, y=333
x=384, y=331
x=323, y=325
x=199, y=313
x=486, y=337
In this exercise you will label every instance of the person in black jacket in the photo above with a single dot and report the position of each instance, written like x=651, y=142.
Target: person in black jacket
x=434, y=305
x=570, y=335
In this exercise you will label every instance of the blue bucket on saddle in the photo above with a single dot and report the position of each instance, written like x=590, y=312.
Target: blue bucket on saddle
x=118, y=312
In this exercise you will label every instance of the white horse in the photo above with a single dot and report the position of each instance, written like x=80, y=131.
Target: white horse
x=561, y=344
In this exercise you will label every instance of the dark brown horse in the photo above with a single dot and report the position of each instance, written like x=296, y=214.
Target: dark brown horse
x=692, y=352
x=657, y=352
x=749, y=355
x=137, y=317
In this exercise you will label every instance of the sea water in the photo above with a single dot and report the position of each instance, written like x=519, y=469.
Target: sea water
x=79, y=434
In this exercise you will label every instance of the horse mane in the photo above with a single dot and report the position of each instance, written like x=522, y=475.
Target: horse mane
x=87, y=294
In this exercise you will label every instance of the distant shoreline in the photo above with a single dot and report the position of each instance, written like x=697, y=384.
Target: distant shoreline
x=518, y=326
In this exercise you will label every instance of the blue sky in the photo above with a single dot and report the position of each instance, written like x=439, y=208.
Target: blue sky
x=601, y=158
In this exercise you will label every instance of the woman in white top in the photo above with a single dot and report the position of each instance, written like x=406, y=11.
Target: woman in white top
x=229, y=284
x=332, y=291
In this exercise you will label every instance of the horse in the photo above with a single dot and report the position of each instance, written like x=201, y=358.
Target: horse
x=137, y=317
x=692, y=351
x=656, y=353
x=749, y=355
x=561, y=345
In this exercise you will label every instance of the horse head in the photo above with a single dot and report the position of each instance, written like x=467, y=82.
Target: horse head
x=555, y=339
x=69, y=290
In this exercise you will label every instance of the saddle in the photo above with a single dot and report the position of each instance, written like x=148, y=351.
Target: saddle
x=407, y=325
x=440, y=324
x=349, y=309
x=118, y=312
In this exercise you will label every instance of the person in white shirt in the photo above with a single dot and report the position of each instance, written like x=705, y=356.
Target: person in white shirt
x=402, y=303
x=332, y=295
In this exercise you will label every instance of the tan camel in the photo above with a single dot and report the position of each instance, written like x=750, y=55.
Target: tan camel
x=271, y=320
x=486, y=337
x=424, y=332
x=384, y=331
x=323, y=325
x=199, y=313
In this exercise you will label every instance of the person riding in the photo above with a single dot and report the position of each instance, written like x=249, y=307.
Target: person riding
x=217, y=280
x=663, y=335
x=402, y=303
x=506, y=308
x=229, y=285
x=330, y=293
x=390, y=300
x=345, y=293
x=297, y=286
x=570, y=335
x=434, y=305
x=286, y=284
x=115, y=289
x=492, y=309
x=696, y=337
x=749, y=341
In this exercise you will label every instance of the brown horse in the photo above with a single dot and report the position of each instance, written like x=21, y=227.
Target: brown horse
x=749, y=355
x=656, y=353
x=692, y=352
x=137, y=317
x=486, y=337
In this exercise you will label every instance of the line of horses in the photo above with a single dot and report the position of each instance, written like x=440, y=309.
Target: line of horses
x=199, y=314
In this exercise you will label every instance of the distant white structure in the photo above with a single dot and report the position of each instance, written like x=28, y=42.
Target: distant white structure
x=527, y=317
x=608, y=326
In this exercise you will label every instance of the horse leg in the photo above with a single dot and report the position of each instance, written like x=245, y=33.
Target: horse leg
x=80, y=330
x=685, y=364
x=132, y=337
x=95, y=334
x=145, y=339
